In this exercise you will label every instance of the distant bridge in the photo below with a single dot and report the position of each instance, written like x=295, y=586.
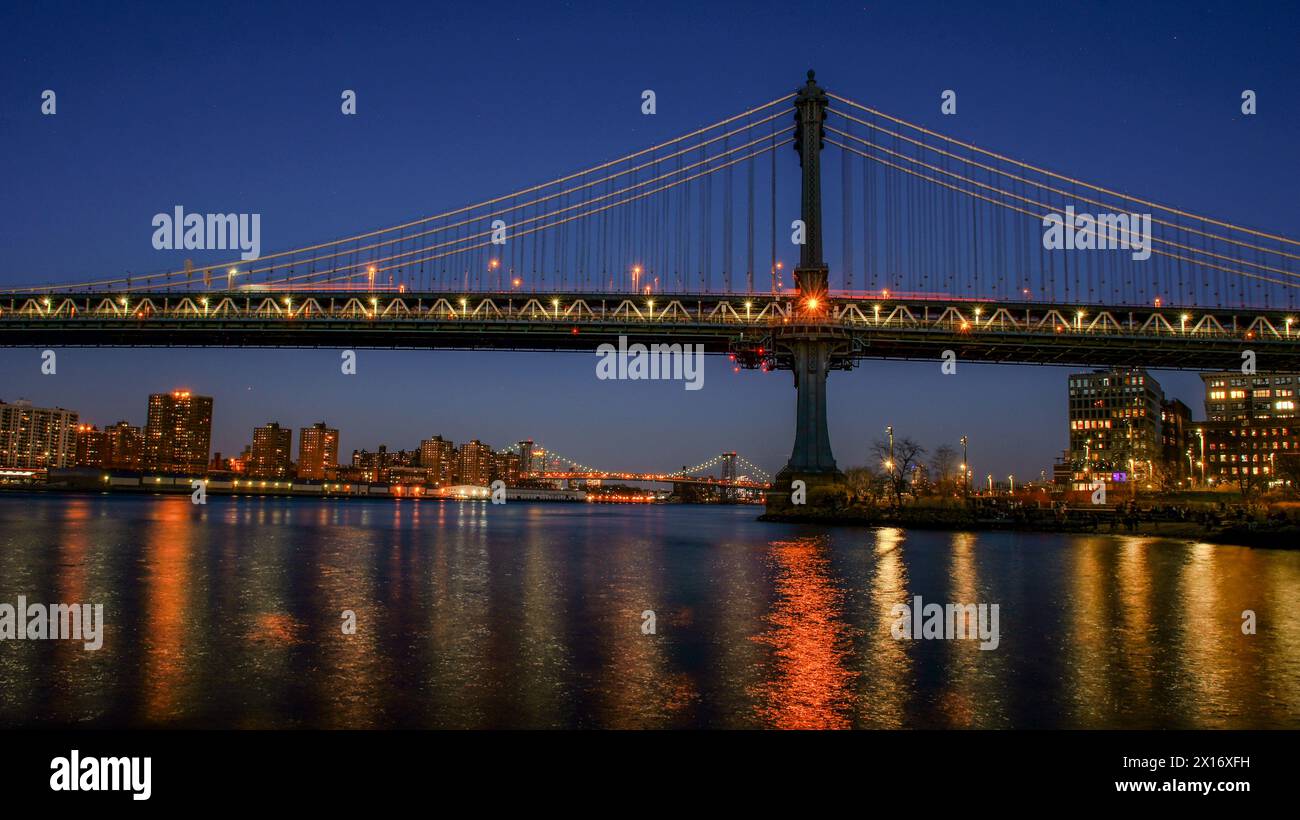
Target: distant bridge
x=734, y=472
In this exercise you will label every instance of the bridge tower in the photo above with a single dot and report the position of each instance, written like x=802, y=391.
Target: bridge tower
x=810, y=346
x=729, y=476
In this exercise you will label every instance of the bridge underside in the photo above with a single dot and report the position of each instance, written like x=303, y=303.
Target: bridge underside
x=746, y=326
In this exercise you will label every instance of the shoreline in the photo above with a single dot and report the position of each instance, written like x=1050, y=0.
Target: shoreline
x=1286, y=537
x=179, y=490
x=1265, y=536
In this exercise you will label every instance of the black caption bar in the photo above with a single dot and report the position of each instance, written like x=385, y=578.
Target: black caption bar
x=143, y=771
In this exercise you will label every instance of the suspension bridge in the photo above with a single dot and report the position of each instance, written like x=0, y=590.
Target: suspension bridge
x=733, y=471
x=942, y=248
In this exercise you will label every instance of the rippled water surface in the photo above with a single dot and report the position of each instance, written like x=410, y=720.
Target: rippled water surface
x=531, y=615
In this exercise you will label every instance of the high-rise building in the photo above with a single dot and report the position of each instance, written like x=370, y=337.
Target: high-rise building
x=318, y=452
x=506, y=466
x=1115, y=427
x=1175, y=432
x=526, y=456
x=272, y=445
x=178, y=433
x=1251, y=435
x=438, y=458
x=115, y=448
x=92, y=446
x=474, y=465
x=37, y=437
x=125, y=446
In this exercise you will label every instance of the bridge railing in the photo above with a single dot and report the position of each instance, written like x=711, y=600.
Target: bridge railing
x=697, y=310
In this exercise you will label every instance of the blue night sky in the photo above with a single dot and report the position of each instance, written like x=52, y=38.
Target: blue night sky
x=236, y=109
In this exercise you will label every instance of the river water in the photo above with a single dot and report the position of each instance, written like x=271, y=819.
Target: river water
x=539, y=615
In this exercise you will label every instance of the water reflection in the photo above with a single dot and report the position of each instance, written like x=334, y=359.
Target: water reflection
x=810, y=684
x=885, y=663
x=469, y=615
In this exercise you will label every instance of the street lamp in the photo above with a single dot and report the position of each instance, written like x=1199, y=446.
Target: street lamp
x=1200, y=432
x=965, y=467
x=1012, y=480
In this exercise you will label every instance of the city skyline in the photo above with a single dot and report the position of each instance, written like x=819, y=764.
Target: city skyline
x=241, y=442
x=1174, y=119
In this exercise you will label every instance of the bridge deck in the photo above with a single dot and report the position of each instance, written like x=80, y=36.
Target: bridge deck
x=907, y=328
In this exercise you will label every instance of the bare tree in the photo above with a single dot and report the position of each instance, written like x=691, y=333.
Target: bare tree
x=1250, y=485
x=1288, y=469
x=898, y=466
x=941, y=464
x=863, y=482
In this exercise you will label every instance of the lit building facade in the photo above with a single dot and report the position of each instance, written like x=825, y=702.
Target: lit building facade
x=37, y=437
x=125, y=446
x=474, y=465
x=1116, y=428
x=272, y=445
x=508, y=467
x=1251, y=436
x=113, y=448
x=526, y=456
x=178, y=433
x=318, y=452
x=92, y=446
x=438, y=459
x=368, y=466
x=1175, y=444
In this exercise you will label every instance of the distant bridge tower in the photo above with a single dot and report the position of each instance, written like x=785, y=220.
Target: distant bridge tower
x=810, y=345
x=729, y=477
